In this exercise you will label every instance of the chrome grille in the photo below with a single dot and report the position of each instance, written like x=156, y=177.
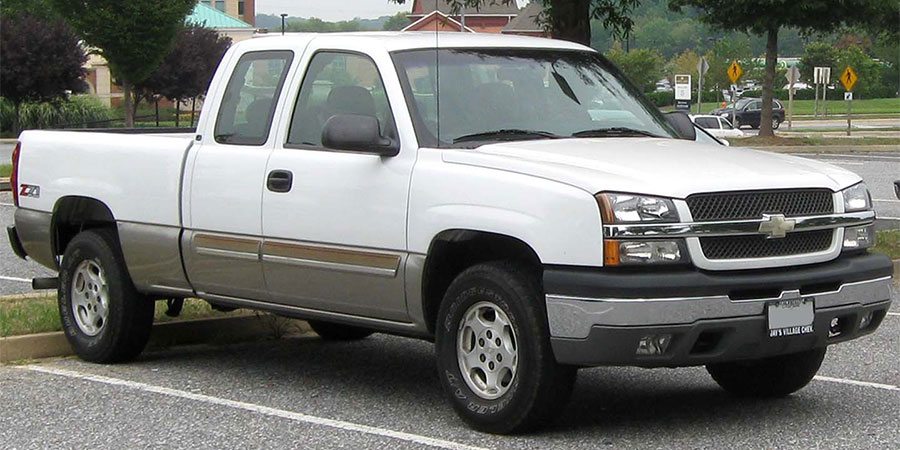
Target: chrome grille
x=746, y=205
x=757, y=246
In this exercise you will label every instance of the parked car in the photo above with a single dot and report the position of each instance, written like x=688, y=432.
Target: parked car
x=748, y=111
x=540, y=217
x=717, y=126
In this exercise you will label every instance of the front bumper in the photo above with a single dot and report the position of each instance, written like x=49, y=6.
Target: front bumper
x=597, y=317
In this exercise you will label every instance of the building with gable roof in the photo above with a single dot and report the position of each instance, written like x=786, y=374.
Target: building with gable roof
x=430, y=15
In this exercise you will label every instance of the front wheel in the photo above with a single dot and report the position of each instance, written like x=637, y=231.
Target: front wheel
x=493, y=351
x=105, y=319
x=778, y=376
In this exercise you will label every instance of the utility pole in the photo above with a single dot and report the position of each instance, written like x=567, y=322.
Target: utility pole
x=283, y=15
x=462, y=19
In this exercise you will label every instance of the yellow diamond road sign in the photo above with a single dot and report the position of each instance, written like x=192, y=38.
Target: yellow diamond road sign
x=849, y=78
x=735, y=72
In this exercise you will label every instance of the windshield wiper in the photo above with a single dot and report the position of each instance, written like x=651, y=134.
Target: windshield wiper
x=508, y=134
x=614, y=131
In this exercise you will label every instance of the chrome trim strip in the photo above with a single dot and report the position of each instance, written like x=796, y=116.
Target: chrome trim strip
x=352, y=268
x=573, y=317
x=736, y=227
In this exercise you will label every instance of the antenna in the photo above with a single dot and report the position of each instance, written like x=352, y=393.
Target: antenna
x=437, y=73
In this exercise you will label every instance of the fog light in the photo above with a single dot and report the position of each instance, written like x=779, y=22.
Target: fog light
x=835, y=327
x=654, y=344
x=866, y=320
x=856, y=238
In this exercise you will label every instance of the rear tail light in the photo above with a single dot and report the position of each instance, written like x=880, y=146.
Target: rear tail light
x=14, y=176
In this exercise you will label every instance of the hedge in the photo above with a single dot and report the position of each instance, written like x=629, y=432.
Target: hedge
x=75, y=112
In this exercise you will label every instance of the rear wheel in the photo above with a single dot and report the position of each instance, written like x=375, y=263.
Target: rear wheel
x=493, y=351
x=778, y=376
x=775, y=123
x=104, y=317
x=338, y=332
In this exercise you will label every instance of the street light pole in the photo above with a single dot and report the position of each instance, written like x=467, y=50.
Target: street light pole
x=283, y=15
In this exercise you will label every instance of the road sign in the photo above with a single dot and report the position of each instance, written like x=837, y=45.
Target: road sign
x=682, y=87
x=735, y=72
x=702, y=66
x=848, y=96
x=848, y=78
x=822, y=75
x=792, y=75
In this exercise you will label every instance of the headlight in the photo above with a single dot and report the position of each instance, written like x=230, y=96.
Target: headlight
x=631, y=208
x=629, y=253
x=857, y=198
x=859, y=238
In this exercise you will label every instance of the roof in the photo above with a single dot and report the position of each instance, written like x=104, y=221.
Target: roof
x=437, y=15
x=210, y=17
x=409, y=40
x=490, y=7
x=527, y=20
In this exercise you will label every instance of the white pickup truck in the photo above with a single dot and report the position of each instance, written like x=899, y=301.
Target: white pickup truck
x=513, y=199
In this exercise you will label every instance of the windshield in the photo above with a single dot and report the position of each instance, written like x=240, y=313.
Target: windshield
x=483, y=95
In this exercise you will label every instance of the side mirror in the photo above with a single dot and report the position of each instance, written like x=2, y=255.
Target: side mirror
x=683, y=125
x=357, y=133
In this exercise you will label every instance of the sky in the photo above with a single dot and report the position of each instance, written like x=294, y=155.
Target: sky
x=333, y=10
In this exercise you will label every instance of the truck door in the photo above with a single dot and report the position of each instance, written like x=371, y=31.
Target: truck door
x=223, y=238
x=336, y=232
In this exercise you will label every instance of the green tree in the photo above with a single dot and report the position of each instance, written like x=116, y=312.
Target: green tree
x=769, y=16
x=570, y=20
x=133, y=36
x=818, y=54
x=685, y=63
x=723, y=53
x=397, y=22
x=642, y=66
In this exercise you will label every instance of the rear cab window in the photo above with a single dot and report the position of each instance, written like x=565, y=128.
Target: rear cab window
x=248, y=104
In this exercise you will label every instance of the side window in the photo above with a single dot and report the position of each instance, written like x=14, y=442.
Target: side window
x=754, y=106
x=708, y=122
x=248, y=104
x=338, y=83
x=726, y=125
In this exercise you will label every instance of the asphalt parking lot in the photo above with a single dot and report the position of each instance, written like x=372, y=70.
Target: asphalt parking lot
x=383, y=393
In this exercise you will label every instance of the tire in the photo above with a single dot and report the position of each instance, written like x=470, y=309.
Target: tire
x=755, y=126
x=774, y=377
x=338, y=332
x=527, y=388
x=105, y=319
x=775, y=123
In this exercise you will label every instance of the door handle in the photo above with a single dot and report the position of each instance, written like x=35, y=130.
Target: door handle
x=280, y=181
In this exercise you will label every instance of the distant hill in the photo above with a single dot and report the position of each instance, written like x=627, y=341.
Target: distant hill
x=273, y=22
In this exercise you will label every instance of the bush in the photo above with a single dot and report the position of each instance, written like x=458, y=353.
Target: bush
x=833, y=94
x=667, y=98
x=76, y=112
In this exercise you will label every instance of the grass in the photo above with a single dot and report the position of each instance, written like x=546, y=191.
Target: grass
x=5, y=170
x=758, y=141
x=888, y=243
x=839, y=129
x=868, y=106
x=40, y=315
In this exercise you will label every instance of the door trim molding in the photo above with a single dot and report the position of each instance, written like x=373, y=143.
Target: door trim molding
x=332, y=258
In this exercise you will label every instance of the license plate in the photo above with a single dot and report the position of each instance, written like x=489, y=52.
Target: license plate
x=791, y=317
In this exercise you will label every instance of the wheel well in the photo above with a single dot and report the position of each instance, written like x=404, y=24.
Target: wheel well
x=453, y=251
x=73, y=215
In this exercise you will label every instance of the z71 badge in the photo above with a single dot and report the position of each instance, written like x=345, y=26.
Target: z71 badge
x=29, y=190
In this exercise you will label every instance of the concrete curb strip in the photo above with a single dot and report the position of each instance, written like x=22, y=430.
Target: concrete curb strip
x=198, y=331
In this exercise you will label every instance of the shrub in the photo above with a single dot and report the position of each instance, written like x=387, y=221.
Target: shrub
x=76, y=112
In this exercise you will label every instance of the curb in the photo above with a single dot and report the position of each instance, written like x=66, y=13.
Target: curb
x=4, y=185
x=220, y=330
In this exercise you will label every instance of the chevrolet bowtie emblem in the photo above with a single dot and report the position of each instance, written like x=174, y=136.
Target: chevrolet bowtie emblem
x=776, y=226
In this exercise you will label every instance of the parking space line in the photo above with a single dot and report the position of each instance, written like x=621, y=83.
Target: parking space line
x=887, y=387
x=259, y=409
x=21, y=280
x=7, y=204
x=893, y=314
